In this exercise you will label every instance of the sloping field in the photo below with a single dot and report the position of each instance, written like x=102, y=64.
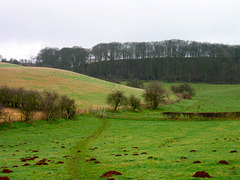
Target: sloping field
x=87, y=91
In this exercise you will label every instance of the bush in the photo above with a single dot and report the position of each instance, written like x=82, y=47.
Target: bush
x=116, y=99
x=134, y=102
x=5, y=95
x=135, y=83
x=186, y=95
x=30, y=102
x=67, y=107
x=184, y=87
x=1, y=108
x=50, y=105
x=154, y=94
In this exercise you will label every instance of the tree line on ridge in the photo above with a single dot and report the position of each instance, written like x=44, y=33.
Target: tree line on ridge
x=170, y=60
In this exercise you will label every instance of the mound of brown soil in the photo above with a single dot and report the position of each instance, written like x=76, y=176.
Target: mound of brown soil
x=234, y=151
x=7, y=171
x=144, y=153
x=135, y=154
x=214, y=150
x=118, y=155
x=110, y=173
x=223, y=162
x=193, y=151
x=60, y=162
x=197, y=162
x=29, y=158
x=42, y=162
x=183, y=157
x=202, y=174
x=15, y=166
x=97, y=162
x=92, y=159
x=4, y=178
x=150, y=157
x=26, y=164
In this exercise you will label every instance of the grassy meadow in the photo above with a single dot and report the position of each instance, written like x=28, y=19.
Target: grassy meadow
x=87, y=91
x=209, y=98
x=141, y=145
x=139, y=149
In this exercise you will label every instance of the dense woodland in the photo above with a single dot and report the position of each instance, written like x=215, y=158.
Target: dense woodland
x=170, y=60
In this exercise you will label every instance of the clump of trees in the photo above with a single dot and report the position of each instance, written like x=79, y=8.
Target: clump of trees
x=28, y=101
x=170, y=60
x=154, y=95
x=184, y=90
x=117, y=99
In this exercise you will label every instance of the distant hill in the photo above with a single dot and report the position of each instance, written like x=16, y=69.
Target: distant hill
x=87, y=91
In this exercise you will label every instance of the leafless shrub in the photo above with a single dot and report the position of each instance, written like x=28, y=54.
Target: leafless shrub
x=67, y=107
x=154, y=94
x=50, y=104
x=116, y=99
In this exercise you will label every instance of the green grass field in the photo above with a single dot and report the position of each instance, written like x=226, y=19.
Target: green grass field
x=209, y=98
x=113, y=142
x=140, y=145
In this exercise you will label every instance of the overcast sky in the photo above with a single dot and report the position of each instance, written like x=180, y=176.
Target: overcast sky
x=27, y=26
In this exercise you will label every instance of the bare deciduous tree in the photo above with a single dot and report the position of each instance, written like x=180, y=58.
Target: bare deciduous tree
x=116, y=99
x=154, y=94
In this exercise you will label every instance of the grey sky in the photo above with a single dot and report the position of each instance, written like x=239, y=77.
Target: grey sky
x=26, y=26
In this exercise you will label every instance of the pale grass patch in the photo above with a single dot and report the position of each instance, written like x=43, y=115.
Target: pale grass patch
x=14, y=115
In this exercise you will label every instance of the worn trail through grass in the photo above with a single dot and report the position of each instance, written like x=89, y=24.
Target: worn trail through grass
x=74, y=167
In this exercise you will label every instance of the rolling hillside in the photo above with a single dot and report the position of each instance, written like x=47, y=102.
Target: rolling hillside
x=87, y=91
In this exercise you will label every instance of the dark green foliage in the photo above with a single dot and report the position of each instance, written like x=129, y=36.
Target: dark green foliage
x=67, y=106
x=73, y=58
x=134, y=102
x=135, y=83
x=116, y=99
x=154, y=95
x=184, y=89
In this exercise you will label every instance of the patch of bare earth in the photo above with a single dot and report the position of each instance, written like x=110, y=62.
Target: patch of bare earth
x=110, y=174
x=201, y=174
x=4, y=178
x=223, y=162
